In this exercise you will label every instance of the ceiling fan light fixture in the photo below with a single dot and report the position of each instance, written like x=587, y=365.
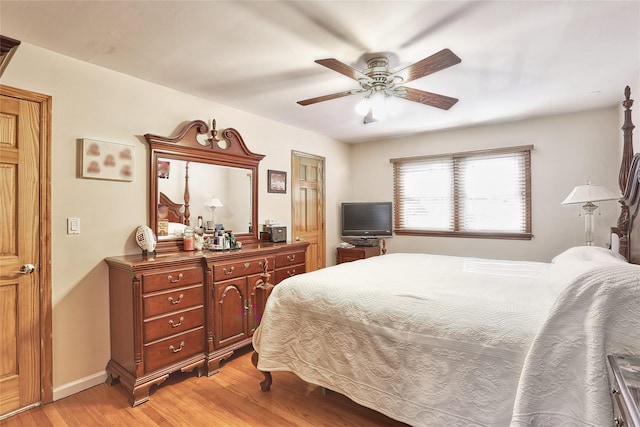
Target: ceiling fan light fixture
x=363, y=106
x=378, y=105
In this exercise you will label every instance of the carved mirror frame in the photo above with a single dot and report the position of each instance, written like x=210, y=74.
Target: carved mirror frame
x=197, y=143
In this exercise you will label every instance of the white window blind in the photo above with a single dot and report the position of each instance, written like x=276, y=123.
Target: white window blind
x=478, y=193
x=426, y=190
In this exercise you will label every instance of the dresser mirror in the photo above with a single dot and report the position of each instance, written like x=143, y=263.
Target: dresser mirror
x=199, y=180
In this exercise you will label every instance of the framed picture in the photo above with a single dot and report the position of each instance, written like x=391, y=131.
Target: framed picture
x=163, y=169
x=107, y=160
x=276, y=181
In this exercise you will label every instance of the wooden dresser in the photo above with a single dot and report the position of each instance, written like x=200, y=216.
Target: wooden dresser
x=187, y=311
x=358, y=252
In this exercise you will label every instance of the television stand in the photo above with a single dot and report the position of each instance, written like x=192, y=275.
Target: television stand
x=354, y=254
x=365, y=242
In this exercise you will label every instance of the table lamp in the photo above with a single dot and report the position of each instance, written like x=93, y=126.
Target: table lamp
x=212, y=204
x=588, y=194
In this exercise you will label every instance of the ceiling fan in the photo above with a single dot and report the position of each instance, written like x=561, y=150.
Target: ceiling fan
x=378, y=79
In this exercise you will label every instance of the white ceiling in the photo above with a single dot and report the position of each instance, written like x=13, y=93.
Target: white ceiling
x=519, y=58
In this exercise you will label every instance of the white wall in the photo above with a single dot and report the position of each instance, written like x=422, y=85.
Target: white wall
x=93, y=102
x=568, y=150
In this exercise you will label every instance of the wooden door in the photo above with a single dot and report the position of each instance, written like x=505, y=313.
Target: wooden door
x=259, y=291
x=20, y=133
x=231, y=310
x=307, y=205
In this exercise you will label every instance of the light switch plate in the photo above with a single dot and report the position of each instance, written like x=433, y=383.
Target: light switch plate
x=73, y=225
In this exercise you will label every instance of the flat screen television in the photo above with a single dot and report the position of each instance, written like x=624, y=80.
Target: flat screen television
x=367, y=219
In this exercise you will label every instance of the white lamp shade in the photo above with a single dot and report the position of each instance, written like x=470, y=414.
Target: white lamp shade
x=213, y=203
x=589, y=193
x=378, y=105
x=363, y=106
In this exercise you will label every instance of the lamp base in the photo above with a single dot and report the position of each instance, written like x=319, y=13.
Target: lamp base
x=588, y=208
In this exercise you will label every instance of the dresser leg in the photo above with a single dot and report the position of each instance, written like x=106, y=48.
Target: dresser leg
x=140, y=393
x=111, y=379
x=213, y=362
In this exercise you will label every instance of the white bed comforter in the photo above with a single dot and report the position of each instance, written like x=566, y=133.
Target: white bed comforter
x=435, y=340
x=565, y=378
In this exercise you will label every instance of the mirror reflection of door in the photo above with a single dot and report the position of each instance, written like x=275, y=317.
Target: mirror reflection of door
x=308, y=206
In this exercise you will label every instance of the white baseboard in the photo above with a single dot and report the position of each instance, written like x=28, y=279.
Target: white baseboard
x=79, y=385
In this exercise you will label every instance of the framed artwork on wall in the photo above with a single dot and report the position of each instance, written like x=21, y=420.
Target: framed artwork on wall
x=276, y=181
x=107, y=160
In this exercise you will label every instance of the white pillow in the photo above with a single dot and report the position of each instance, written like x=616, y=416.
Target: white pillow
x=588, y=253
x=573, y=262
x=175, y=228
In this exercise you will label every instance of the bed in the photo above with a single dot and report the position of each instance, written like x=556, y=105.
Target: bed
x=176, y=214
x=435, y=340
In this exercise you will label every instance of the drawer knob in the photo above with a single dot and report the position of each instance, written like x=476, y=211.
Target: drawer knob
x=172, y=301
x=175, y=350
x=172, y=280
x=175, y=325
x=247, y=264
x=291, y=257
x=224, y=270
x=291, y=273
x=618, y=422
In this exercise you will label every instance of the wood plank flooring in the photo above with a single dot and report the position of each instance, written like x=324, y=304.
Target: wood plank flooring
x=232, y=397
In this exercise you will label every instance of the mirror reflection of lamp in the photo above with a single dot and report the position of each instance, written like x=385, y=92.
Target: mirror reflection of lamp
x=212, y=204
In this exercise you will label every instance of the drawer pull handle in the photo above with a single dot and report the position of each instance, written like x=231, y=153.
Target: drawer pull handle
x=175, y=325
x=172, y=280
x=175, y=350
x=172, y=301
x=247, y=264
x=224, y=270
x=291, y=257
x=291, y=273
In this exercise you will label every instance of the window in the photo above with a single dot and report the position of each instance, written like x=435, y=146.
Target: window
x=474, y=194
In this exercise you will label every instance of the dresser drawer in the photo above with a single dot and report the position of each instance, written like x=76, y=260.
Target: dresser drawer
x=176, y=299
x=174, y=323
x=231, y=270
x=171, y=279
x=291, y=258
x=161, y=354
x=283, y=273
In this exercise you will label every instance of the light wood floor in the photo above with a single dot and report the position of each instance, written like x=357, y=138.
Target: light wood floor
x=232, y=397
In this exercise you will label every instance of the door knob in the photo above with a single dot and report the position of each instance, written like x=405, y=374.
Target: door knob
x=27, y=269
x=298, y=238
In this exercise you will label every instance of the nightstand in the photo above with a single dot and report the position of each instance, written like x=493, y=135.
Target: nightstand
x=626, y=389
x=358, y=252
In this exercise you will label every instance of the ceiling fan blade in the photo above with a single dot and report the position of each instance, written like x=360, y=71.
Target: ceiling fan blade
x=428, y=98
x=342, y=68
x=436, y=62
x=328, y=97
